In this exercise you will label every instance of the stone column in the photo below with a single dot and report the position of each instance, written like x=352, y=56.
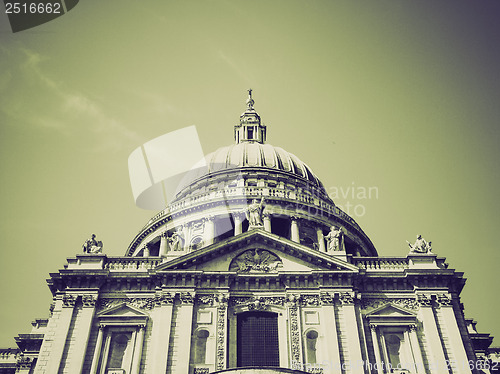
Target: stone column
x=321, y=240
x=376, y=350
x=411, y=336
x=82, y=338
x=97, y=350
x=139, y=341
x=147, y=251
x=267, y=221
x=238, y=229
x=209, y=230
x=295, y=236
x=163, y=244
x=160, y=334
x=55, y=344
x=352, y=334
x=435, y=354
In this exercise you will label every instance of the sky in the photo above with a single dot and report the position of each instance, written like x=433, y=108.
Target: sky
x=398, y=96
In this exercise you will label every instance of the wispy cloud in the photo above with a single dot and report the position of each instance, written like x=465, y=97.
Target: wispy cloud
x=35, y=98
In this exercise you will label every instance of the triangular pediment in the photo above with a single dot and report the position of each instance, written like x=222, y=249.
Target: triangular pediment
x=390, y=310
x=122, y=311
x=257, y=251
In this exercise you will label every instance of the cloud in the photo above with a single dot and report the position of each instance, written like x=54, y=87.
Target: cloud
x=35, y=98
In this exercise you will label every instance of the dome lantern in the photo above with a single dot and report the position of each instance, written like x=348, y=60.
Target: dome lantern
x=250, y=128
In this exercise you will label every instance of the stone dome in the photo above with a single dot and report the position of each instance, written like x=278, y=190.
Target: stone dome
x=253, y=155
x=212, y=200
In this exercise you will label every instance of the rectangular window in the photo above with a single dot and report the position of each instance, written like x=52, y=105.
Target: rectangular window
x=257, y=342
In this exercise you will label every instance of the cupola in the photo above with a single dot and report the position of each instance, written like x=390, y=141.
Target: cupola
x=250, y=128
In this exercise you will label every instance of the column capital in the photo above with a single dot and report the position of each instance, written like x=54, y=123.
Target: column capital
x=89, y=301
x=68, y=301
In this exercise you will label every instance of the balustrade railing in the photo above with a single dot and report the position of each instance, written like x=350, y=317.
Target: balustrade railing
x=131, y=263
x=381, y=263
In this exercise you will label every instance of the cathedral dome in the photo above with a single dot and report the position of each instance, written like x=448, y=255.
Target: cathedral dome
x=248, y=154
x=212, y=201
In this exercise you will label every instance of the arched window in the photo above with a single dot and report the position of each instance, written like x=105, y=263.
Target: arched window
x=200, y=346
x=311, y=341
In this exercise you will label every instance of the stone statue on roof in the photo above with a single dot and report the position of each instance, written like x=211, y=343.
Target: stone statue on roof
x=333, y=238
x=420, y=245
x=254, y=213
x=92, y=245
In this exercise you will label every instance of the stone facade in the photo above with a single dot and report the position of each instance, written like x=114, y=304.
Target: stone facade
x=254, y=242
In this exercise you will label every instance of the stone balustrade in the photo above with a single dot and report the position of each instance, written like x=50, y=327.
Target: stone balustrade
x=381, y=263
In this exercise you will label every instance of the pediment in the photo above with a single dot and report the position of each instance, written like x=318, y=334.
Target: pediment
x=390, y=315
x=390, y=310
x=257, y=251
x=122, y=310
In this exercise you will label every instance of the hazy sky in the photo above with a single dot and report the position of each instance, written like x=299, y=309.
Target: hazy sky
x=399, y=95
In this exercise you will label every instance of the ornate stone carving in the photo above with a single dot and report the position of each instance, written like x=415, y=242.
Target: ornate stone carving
x=444, y=300
x=164, y=299
x=92, y=245
x=24, y=363
x=376, y=302
x=420, y=245
x=412, y=327
x=309, y=300
x=186, y=298
x=424, y=300
x=346, y=298
x=257, y=303
x=294, y=333
x=373, y=327
x=141, y=303
x=221, y=340
x=255, y=261
x=68, y=301
x=205, y=299
x=327, y=298
x=89, y=301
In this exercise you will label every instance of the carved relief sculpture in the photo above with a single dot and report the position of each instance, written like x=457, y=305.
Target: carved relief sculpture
x=255, y=260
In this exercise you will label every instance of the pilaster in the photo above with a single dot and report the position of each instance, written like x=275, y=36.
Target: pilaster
x=160, y=334
x=355, y=364
x=82, y=338
x=457, y=356
x=53, y=344
x=436, y=360
x=184, y=319
x=330, y=331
